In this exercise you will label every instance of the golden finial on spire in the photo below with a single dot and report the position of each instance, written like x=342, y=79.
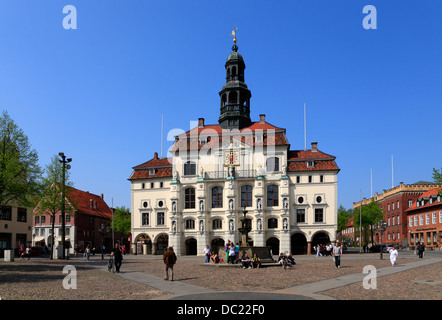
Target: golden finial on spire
x=234, y=34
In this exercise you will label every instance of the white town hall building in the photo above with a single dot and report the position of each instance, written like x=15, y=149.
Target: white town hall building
x=197, y=197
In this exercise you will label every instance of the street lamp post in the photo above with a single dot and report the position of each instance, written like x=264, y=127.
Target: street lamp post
x=65, y=166
x=381, y=227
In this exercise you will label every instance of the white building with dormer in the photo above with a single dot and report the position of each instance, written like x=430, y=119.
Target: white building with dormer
x=197, y=196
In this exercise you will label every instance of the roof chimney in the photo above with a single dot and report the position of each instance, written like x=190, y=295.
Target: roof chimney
x=200, y=122
x=155, y=155
x=314, y=146
x=102, y=196
x=262, y=118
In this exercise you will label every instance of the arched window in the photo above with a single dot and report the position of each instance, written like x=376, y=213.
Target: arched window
x=190, y=224
x=189, y=168
x=217, y=224
x=234, y=73
x=233, y=97
x=272, y=196
x=217, y=197
x=189, y=198
x=272, y=164
x=272, y=223
x=246, y=196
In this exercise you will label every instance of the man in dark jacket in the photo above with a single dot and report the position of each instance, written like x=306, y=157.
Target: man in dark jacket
x=169, y=259
x=420, y=250
x=116, y=252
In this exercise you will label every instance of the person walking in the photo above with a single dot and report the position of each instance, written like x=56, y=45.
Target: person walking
x=237, y=251
x=28, y=252
x=232, y=254
x=118, y=257
x=76, y=250
x=420, y=250
x=169, y=259
x=393, y=256
x=103, y=248
x=337, y=254
x=87, y=252
x=207, y=254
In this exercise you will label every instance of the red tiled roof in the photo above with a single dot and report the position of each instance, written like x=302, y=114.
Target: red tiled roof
x=190, y=140
x=427, y=194
x=82, y=202
x=161, y=166
x=297, y=161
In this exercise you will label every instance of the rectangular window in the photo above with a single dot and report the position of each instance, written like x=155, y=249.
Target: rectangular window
x=68, y=218
x=189, y=168
x=321, y=178
x=410, y=221
x=298, y=179
x=410, y=202
x=440, y=216
x=145, y=219
x=43, y=219
x=319, y=215
x=310, y=179
x=434, y=217
x=189, y=198
x=398, y=204
x=421, y=220
x=416, y=223
x=21, y=214
x=300, y=215
x=398, y=222
x=272, y=196
x=37, y=220
x=160, y=218
x=6, y=213
x=427, y=218
x=246, y=196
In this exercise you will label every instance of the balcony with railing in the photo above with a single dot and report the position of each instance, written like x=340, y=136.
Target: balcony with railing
x=222, y=175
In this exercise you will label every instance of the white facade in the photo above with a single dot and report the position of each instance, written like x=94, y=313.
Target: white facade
x=183, y=210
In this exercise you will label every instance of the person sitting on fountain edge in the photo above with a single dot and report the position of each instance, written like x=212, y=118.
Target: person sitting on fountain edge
x=245, y=261
x=256, y=262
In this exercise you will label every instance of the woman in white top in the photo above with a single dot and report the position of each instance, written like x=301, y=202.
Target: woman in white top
x=393, y=256
x=232, y=254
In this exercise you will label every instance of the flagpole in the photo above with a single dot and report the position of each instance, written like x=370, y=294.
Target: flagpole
x=113, y=237
x=305, y=129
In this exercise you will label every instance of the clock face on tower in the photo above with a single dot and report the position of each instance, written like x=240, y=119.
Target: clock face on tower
x=231, y=158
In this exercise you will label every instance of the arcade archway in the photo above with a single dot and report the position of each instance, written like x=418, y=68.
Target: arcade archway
x=298, y=243
x=191, y=247
x=274, y=244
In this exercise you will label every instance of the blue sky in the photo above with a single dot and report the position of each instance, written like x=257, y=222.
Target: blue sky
x=97, y=93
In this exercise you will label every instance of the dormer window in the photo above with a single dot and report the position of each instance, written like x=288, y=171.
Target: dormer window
x=272, y=164
x=310, y=164
x=151, y=172
x=189, y=168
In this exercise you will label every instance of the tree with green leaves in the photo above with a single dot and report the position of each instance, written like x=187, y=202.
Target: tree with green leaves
x=20, y=174
x=121, y=221
x=437, y=176
x=344, y=216
x=371, y=213
x=50, y=201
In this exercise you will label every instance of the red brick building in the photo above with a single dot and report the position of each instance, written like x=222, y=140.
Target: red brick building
x=394, y=203
x=91, y=223
x=424, y=219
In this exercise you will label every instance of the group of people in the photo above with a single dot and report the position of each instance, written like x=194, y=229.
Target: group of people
x=232, y=256
x=286, y=260
x=24, y=253
x=323, y=250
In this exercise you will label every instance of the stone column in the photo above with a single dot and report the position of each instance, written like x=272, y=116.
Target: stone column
x=309, y=247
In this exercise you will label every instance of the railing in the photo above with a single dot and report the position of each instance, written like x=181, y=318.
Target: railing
x=238, y=174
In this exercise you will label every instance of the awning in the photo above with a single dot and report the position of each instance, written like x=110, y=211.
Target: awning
x=38, y=239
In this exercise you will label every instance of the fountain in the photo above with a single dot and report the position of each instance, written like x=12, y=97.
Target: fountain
x=263, y=253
